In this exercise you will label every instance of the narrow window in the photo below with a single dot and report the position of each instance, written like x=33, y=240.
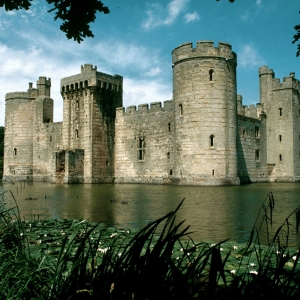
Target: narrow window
x=257, y=132
x=50, y=138
x=280, y=157
x=169, y=127
x=180, y=110
x=15, y=151
x=141, y=148
x=244, y=133
x=171, y=172
x=211, y=74
x=77, y=104
x=280, y=138
x=212, y=140
x=213, y=172
x=280, y=112
x=257, y=155
x=168, y=155
x=76, y=133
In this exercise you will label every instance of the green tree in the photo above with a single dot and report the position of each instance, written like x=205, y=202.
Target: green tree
x=75, y=14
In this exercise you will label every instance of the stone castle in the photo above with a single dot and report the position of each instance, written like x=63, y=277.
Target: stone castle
x=204, y=136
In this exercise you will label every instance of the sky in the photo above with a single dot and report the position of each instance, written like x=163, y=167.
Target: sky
x=136, y=38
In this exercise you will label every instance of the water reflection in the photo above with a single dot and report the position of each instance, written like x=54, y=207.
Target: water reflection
x=214, y=213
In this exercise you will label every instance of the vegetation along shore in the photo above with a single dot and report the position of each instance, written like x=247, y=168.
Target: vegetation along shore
x=64, y=259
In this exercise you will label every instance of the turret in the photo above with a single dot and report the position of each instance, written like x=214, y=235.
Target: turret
x=205, y=111
x=44, y=85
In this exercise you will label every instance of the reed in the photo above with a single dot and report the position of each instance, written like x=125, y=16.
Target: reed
x=92, y=263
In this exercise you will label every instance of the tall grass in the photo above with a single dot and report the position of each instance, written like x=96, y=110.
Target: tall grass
x=146, y=265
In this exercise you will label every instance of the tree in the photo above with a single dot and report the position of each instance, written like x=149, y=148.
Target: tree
x=75, y=14
x=296, y=36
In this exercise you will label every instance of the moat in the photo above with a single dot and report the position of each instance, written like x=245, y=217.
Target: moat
x=214, y=213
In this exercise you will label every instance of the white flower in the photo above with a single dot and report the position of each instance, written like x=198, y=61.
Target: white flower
x=294, y=257
x=235, y=247
x=233, y=271
x=254, y=272
x=252, y=265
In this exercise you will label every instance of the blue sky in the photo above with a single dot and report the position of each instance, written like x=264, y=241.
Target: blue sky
x=136, y=40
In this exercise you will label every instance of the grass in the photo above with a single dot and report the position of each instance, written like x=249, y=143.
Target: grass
x=81, y=260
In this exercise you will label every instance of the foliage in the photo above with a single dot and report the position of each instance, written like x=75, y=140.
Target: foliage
x=145, y=265
x=75, y=14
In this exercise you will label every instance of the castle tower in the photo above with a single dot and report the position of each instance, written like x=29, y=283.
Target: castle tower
x=281, y=104
x=205, y=114
x=90, y=102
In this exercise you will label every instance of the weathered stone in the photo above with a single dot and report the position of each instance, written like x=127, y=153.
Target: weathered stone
x=204, y=136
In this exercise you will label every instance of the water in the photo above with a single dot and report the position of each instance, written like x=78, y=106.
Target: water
x=213, y=213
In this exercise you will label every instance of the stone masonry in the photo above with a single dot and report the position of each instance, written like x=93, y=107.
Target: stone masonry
x=203, y=136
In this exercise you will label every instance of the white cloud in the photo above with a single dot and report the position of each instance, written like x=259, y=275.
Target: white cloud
x=122, y=56
x=189, y=17
x=245, y=17
x=157, y=15
x=138, y=92
x=153, y=71
x=258, y=2
x=248, y=57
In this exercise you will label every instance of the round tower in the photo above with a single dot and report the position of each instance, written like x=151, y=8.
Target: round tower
x=205, y=114
x=266, y=77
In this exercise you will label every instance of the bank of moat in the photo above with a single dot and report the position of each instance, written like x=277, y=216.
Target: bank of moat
x=203, y=136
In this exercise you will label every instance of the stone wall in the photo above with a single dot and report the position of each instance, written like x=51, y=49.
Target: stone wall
x=251, y=146
x=144, y=144
x=205, y=112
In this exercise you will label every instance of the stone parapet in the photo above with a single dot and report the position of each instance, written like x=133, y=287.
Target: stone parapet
x=205, y=49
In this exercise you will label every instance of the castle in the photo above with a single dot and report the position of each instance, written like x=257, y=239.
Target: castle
x=204, y=136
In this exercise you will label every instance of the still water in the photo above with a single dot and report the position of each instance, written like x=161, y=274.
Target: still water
x=213, y=213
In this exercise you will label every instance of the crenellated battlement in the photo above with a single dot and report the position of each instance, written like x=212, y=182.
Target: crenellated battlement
x=44, y=81
x=203, y=49
x=251, y=111
x=89, y=78
x=144, y=108
x=87, y=68
x=289, y=82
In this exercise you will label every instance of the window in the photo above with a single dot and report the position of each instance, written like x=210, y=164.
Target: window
x=15, y=151
x=168, y=155
x=243, y=133
x=76, y=133
x=213, y=172
x=212, y=140
x=169, y=127
x=257, y=155
x=171, y=172
x=280, y=138
x=280, y=112
x=50, y=138
x=211, y=74
x=77, y=104
x=141, y=148
x=180, y=110
x=257, y=133
x=280, y=157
